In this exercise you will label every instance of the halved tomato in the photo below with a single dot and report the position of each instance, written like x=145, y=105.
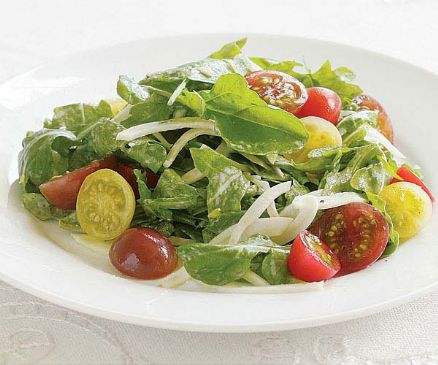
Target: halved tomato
x=62, y=191
x=312, y=260
x=407, y=175
x=357, y=233
x=278, y=89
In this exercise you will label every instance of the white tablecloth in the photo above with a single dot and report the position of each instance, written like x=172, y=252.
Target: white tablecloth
x=35, y=332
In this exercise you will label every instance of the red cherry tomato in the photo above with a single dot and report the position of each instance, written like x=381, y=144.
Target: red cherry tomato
x=152, y=179
x=143, y=253
x=409, y=176
x=62, y=191
x=311, y=260
x=128, y=174
x=357, y=233
x=384, y=124
x=278, y=89
x=323, y=103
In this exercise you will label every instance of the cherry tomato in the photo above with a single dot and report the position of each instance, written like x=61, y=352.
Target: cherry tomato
x=128, y=174
x=143, y=253
x=278, y=89
x=384, y=124
x=62, y=191
x=152, y=179
x=357, y=233
x=323, y=103
x=312, y=260
x=407, y=175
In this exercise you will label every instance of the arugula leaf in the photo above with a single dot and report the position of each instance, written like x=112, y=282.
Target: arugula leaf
x=230, y=50
x=41, y=208
x=221, y=264
x=394, y=239
x=153, y=109
x=336, y=181
x=220, y=223
x=321, y=159
x=295, y=190
x=274, y=267
x=274, y=65
x=227, y=185
x=70, y=223
x=143, y=189
x=76, y=117
x=369, y=179
x=101, y=136
x=130, y=91
x=247, y=123
x=351, y=123
x=170, y=193
x=147, y=152
x=38, y=161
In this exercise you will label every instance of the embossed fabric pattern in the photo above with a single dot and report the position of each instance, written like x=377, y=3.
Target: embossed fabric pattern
x=33, y=331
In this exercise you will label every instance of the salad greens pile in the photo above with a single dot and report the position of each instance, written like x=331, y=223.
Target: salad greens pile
x=216, y=147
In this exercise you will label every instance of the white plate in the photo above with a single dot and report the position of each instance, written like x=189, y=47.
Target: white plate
x=30, y=260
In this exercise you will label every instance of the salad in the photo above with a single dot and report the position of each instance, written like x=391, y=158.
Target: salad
x=236, y=173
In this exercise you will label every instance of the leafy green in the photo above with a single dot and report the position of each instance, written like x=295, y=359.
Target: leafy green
x=75, y=117
x=102, y=137
x=394, y=239
x=153, y=109
x=143, y=189
x=351, y=123
x=70, y=223
x=38, y=161
x=41, y=208
x=247, y=123
x=221, y=264
x=130, y=91
x=369, y=179
x=220, y=223
x=227, y=185
x=274, y=267
x=147, y=152
x=230, y=50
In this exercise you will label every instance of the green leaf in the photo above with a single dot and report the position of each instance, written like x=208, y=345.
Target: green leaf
x=321, y=160
x=130, y=91
x=193, y=101
x=41, y=208
x=369, y=179
x=76, y=117
x=351, y=123
x=274, y=65
x=394, y=239
x=102, y=137
x=295, y=190
x=147, y=152
x=247, y=123
x=338, y=181
x=226, y=183
x=70, y=223
x=143, y=189
x=274, y=267
x=222, y=264
x=230, y=50
x=38, y=161
x=155, y=108
x=220, y=223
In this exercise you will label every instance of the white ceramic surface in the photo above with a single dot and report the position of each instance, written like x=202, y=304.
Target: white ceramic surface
x=30, y=260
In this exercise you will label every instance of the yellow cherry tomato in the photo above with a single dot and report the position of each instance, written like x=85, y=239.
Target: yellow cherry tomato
x=105, y=205
x=322, y=133
x=409, y=207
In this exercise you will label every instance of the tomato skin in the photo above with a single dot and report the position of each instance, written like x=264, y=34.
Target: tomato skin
x=143, y=253
x=312, y=260
x=384, y=124
x=357, y=233
x=128, y=174
x=407, y=175
x=62, y=191
x=323, y=103
x=278, y=89
x=152, y=179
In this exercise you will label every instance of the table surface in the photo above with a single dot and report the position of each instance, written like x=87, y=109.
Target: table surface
x=36, y=332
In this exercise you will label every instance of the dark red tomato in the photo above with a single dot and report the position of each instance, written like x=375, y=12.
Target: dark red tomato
x=143, y=253
x=278, y=89
x=357, y=233
x=323, y=103
x=312, y=260
x=128, y=174
x=151, y=179
x=62, y=191
x=384, y=124
x=407, y=175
